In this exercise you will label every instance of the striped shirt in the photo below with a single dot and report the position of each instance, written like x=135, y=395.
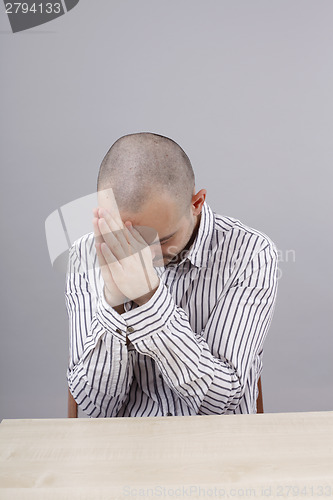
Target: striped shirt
x=195, y=347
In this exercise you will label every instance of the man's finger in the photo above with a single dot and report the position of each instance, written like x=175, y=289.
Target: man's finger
x=118, y=232
x=97, y=234
x=102, y=264
x=135, y=234
x=110, y=218
x=111, y=240
x=110, y=258
x=135, y=244
x=106, y=198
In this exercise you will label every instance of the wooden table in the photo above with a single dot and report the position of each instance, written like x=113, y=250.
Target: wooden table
x=271, y=455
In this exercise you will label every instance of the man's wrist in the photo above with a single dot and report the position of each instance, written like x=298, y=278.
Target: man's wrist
x=145, y=298
x=119, y=308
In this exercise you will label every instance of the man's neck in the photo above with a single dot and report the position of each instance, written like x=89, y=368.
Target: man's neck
x=194, y=233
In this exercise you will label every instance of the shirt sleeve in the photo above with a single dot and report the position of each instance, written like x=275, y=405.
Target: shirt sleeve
x=100, y=367
x=208, y=370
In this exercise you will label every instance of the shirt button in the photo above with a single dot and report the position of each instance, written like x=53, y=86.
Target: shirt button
x=169, y=414
x=160, y=375
x=118, y=330
x=130, y=329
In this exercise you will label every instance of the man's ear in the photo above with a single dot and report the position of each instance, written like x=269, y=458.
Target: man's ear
x=198, y=200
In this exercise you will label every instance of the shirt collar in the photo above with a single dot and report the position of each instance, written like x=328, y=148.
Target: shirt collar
x=198, y=253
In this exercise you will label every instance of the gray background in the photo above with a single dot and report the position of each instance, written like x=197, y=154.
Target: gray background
x=245, y=88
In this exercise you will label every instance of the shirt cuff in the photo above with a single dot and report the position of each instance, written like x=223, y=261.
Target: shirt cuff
x=151, y=316
x=110, y=319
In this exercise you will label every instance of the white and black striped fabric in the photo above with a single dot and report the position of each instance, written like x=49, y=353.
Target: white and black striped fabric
x=195, y=347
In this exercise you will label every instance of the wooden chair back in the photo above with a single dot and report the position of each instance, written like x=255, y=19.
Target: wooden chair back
x=72, y=406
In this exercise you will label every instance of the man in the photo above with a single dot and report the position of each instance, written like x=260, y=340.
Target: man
x=181, y=337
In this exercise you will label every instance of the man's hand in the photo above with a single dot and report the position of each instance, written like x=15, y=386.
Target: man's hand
x=112, y=294
x=126, y=258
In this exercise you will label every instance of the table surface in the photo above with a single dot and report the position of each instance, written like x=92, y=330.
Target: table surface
x=216, y=456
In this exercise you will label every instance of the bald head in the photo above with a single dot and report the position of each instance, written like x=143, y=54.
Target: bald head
x=139, y=167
